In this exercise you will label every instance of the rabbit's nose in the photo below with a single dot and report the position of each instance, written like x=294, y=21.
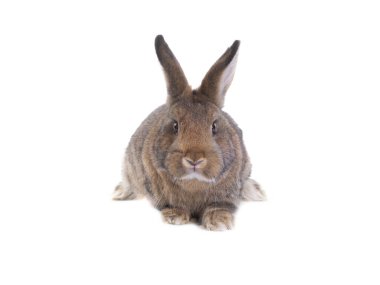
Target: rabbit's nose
x=189, y=163
x=194, y=163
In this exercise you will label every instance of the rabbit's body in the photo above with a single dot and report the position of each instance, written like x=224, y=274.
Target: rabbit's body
x=188, y=157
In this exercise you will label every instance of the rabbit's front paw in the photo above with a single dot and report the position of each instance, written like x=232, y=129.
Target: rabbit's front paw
x=175, y=216
x=217, y=219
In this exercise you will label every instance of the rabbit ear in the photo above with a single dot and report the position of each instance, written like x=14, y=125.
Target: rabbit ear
x=175, y=78
x=220, y=75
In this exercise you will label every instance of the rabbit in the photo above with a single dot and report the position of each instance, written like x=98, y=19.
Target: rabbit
x=188, y=157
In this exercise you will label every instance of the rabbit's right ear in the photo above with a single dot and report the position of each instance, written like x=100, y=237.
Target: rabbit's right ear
x=176, y=81
x=220, y=75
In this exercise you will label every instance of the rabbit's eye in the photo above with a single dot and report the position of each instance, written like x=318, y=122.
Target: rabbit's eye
x=175, y=127
x=214, y=128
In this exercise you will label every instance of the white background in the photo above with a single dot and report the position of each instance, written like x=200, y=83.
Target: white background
x=78, y=77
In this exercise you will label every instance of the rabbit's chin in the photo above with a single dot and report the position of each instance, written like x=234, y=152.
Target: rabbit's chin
x=197, y=177
x=195, y=182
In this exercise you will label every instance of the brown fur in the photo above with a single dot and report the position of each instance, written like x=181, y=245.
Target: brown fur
x=158, y=157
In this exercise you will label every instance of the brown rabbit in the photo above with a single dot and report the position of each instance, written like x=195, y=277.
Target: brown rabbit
x=188, y=156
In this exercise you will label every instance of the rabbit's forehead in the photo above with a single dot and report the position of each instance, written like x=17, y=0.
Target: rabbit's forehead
x=195, y=111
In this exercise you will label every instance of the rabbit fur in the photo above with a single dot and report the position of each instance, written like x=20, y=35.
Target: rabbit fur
x=188, y=157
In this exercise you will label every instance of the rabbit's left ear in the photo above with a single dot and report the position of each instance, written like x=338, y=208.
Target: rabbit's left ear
x=176, y=81
x=220, y=75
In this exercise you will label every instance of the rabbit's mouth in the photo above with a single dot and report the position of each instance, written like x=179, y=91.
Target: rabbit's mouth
x=197, y=176
x=194, y=169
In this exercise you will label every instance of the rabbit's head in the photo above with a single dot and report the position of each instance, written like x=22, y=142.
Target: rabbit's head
x=197, y=141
